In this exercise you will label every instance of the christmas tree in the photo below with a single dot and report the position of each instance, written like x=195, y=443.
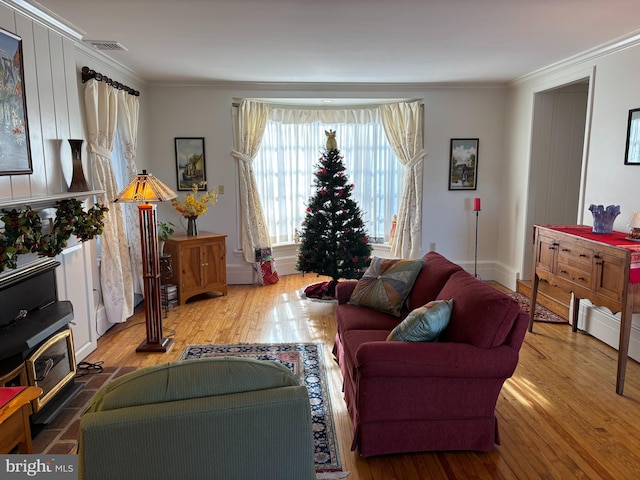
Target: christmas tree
x=333, y=239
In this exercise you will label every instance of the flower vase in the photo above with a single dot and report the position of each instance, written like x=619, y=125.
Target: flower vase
x=78, y=182
x=192, y=226
x=603, y=218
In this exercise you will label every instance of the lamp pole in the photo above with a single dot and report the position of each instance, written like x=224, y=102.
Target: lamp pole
x=476, y=209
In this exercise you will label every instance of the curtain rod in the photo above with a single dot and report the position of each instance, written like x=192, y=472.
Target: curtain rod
x=88, y=74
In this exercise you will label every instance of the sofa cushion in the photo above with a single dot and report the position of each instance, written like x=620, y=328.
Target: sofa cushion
x=423, y=324
x=386, y=284
x=352, y=341
x=481, y=316
x=352, y=317
x=433, y=275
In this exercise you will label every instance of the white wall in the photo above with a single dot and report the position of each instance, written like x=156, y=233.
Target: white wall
x=450, y=112
x=606, y=180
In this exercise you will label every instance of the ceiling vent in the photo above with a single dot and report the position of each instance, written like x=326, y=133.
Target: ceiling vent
x=111, y=45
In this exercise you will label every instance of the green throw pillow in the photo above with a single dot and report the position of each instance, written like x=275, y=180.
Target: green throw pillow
x=386, y=284
x=423, y=324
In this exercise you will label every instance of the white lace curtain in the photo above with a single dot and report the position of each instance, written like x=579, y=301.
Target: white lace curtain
x=116, y=277
x=403, y=125
x=128, y=108
x=249, y=129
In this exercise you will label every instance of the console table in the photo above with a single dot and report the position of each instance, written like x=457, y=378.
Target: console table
x=15, y=409
x=602, y=268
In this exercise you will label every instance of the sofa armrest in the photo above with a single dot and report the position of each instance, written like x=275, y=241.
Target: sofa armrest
x=421, y=359
x=344, y=290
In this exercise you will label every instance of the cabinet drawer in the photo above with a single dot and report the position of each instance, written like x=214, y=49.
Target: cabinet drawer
x=575, y=275
x=576, y=256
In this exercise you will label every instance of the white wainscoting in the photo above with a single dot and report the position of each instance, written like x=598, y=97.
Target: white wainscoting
x=605, y=326
x=73, y=279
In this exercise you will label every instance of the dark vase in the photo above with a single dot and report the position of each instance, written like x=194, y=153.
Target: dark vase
x=78, y=182
x=192, y=226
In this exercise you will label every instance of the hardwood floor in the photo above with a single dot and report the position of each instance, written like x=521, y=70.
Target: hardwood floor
x=559, y=415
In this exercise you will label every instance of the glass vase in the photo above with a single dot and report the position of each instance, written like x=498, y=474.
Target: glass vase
x=603, y=218
x=192, y=226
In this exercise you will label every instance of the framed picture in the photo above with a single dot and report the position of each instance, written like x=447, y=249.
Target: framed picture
x=463, y=164
x=632, y=149
x=15, y=150
x=190, y=163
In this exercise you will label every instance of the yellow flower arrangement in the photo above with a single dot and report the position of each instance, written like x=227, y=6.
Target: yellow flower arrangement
x=195, y=205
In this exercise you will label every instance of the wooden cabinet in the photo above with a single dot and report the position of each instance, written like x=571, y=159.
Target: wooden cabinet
x=198, y=264
x=595, y=267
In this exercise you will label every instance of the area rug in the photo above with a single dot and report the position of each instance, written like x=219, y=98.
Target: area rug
x=306, y=361
x=542, y=314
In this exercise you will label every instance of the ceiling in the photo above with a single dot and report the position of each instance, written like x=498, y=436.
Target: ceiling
x=352, y=41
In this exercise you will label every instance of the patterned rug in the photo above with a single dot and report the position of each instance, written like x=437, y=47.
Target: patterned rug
x=306, y=361
x=542, y=314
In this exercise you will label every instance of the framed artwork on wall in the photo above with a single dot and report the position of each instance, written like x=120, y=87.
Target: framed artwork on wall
x=463, y=164
x=190, y=164
x=15, y=149
x=632, y=149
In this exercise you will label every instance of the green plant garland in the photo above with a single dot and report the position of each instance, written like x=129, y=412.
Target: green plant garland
x=23, y=230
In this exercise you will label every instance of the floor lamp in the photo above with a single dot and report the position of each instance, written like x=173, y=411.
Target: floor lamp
x=476, y=209
x=145, y=190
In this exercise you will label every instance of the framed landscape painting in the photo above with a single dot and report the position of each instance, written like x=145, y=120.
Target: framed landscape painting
x=463, y=164
x=15, y=151
x=190, y=163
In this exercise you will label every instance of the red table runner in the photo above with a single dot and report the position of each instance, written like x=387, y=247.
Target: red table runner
x=7, y=393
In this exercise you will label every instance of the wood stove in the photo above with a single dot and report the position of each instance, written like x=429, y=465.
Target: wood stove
x=36, y=343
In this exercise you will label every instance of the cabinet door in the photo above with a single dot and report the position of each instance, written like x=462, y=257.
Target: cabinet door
x=191, y=263
x=546, y=253
x=214, y=264
x=610, y=277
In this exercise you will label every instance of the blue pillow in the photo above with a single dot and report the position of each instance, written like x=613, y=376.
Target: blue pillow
x=424, y=324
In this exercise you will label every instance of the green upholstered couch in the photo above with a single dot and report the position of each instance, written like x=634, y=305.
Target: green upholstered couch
x=212, y=418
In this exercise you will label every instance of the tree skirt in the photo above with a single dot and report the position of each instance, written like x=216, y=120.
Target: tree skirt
x=542, y=314
x=321, y=290
x=306, y=361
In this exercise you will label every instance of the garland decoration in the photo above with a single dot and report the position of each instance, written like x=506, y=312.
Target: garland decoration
x=23, y=230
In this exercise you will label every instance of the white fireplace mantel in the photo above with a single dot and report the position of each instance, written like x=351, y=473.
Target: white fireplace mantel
x=48, y=201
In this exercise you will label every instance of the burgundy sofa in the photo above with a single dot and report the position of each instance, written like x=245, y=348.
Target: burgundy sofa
x=425, y=396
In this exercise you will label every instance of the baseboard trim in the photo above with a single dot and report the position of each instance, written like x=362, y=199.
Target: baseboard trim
x=605, y=326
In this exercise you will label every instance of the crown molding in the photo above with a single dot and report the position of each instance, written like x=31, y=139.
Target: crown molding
x=616, y=45
x=38, y=13
x=364, y=88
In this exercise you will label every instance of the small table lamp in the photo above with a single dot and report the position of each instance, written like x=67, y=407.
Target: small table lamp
x=634, y=226
x=143, y=189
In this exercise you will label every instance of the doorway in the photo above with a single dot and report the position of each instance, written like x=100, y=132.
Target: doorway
x=557, y=159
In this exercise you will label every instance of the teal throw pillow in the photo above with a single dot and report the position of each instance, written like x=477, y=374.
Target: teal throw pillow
x=386, y=284
x=424, y=324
